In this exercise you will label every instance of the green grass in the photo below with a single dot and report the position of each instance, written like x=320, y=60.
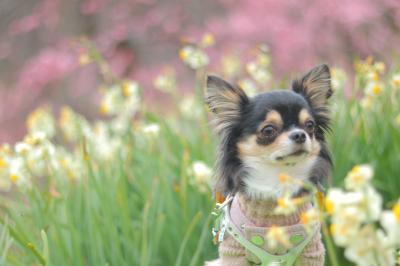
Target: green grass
x=140, y=208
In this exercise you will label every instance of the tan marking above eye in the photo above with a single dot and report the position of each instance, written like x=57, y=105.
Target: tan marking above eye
x=272, y=117
x=304, y=116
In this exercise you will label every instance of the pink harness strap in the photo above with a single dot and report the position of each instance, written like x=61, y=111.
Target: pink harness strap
x=238, y=217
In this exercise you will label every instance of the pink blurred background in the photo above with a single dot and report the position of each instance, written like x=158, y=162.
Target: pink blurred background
x=39, y=51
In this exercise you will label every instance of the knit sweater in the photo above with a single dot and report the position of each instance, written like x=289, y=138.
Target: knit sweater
x=260, y=214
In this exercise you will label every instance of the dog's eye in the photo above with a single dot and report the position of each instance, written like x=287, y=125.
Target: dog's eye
x=310, y=125
x=269, y=131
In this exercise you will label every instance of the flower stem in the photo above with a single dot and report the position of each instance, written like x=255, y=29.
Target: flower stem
x=329, y=244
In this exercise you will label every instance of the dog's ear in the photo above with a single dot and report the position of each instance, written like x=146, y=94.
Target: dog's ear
x=315, y=86
x=225, y=101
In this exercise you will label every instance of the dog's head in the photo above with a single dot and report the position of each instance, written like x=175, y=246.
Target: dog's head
x=276, y=131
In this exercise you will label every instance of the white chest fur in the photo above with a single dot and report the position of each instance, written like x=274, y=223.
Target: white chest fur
x=263, y=182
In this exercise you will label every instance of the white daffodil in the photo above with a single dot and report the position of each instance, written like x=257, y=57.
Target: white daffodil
x=121, y=123
x=359, y=176
x=372, y=203
x=231, y=65
x=370, y=247
x=41, y=159
x=190, y=108
x=41, y=120
x=22, y=148
x=120, y=98
x=346, y=224
x=112, y=101
x=194, y=57
x=338, y=78
x=285, y=205
x=202, y=174
x=310, y=217
x=166, y=81
x=103, y=146
x=258, y=73
x=374, y=89
x=18, y=173
x=131, y=93
x=339, y=198
x=152, y=129
x=248, y=86
x=277, y=236
x=73, y=125
x=367, y=102
x=396, y=81
x=5, y=183
x=390, y=221
x=70, y=165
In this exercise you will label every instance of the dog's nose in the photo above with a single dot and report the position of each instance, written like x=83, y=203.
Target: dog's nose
x=298, y=136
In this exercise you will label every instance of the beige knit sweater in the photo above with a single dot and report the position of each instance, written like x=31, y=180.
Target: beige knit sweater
x=260, y=213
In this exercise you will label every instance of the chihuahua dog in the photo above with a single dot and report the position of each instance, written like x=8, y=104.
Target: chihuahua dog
x=275, y=132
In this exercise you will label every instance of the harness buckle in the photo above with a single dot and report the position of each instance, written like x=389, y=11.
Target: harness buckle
x=219, y=228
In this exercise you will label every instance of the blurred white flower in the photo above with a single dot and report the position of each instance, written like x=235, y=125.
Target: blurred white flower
x=190, y=108
x=130, y=88
x=259, y=68
x=372, y=203
x=258, y=73
x=194, y=57
x=73, y=125
x=346, y=224
x=41, y=120
x=18, y=172
x=338, y=78
x=310, y=217
x=370, y=247
x=231, y=65
x=151, y=129
x=379, y=67
x=120, y=98
x=22, y=148
x=112, y=101
x=41, y=160
x=35, y=138
x=359, y=176
x=285, y=205
x=354, y=215
x=366, y=205
x=396, y=80
x=373, y=89
x=207, y=40
x=71, y=166
x=390, y=221
x=166, y=81
x=249, y=87
x=277, y=236
x=367, y=102
x=103, y=146
x=121, y=123
x=201, y=175
x=5, y=183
